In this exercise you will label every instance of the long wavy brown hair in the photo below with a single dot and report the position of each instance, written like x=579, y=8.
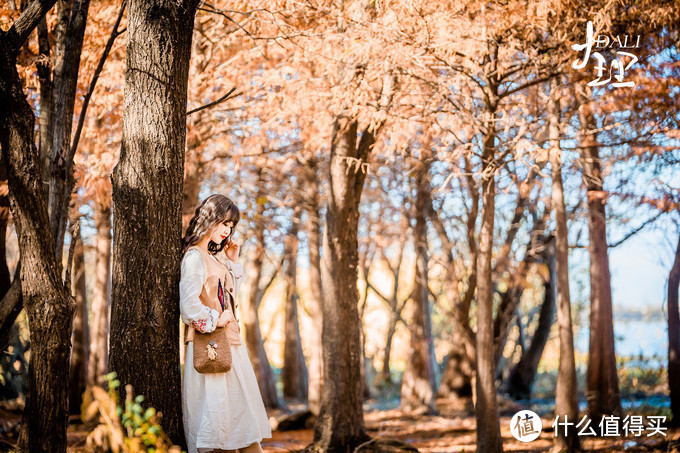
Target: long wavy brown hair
x=213, y=210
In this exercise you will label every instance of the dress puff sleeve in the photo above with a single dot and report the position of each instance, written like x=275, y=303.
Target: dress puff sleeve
x=193, y=276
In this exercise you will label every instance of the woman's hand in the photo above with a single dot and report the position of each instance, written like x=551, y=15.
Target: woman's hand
x=232, y=250
x=224, y=318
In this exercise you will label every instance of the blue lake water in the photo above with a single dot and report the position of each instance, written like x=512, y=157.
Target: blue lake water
x=634, y=337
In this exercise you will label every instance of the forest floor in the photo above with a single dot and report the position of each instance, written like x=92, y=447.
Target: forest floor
x=452, y=430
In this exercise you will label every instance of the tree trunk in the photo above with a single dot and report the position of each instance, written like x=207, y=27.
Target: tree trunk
x=510, y=299
x=418, y=386
x=367, y=363
x=395, y=308
x=251, y=321
x=457, y=377
x=313, y=230
x=193, y=175
x=294, y=373
x=254, y=343
x=385, y=375
x=488, y=427
x=48, y=305
x=61, y=123
x=340, y=424
x=80, y=335
x=101, y=296
x=147, y=206
x=193, y=170
x=506, y=313
x=44, y=70
x=10, y=307
x=521, y=379
x=602, y=382
x=674, y=338
x=566, y=393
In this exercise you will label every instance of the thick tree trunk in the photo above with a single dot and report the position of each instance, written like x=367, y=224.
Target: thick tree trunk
x=521, y=378
x=486, y=411
x=313, y=230
x=80, y=337
x=251, y=319
x=147, y=205
x=674, y=338
x=602, y=382
x=418, y=386
x=566, y=393
x=294, y=373
x=101, y=296
x=49, y=306
x=340, y=424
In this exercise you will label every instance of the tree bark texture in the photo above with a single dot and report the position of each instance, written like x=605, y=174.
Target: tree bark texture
x=101, y=296
x=48, y=304
x=602, y=382
x=11, y=306
x=80, y=337
x=340, y=424
x=566, y=393
x=147, y=206
x=486, y=411
x=65, y=81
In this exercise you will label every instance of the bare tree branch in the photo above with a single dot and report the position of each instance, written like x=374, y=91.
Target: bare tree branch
x=222, y=99
x=23, y=27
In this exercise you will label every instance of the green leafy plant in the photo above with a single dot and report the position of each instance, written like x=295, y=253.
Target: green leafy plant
x=123, y=428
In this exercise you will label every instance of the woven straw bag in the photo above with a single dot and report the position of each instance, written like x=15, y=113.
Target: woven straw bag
x=212, y=353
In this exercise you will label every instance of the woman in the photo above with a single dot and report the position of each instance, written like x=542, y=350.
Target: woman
x=222, y=411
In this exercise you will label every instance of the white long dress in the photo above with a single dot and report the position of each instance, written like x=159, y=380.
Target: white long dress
x=221, y=410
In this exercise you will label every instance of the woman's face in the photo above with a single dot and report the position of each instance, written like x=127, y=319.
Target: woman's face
x=221, y=231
